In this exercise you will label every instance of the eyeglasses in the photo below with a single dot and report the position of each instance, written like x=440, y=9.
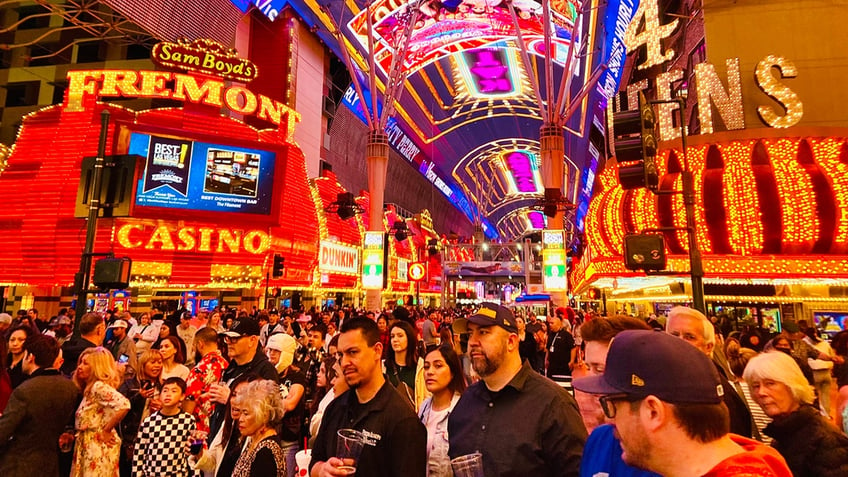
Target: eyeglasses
x=608, y=402
x=234, y=339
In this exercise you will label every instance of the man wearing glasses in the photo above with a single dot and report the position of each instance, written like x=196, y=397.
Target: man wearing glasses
x=664, y=398
x=245, y=357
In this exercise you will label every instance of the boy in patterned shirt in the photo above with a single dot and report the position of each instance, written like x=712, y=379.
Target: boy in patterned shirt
x=159, y=447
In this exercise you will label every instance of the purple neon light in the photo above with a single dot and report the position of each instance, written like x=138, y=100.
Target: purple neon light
x=537, y=220
x=521, y=168
x=491, y=74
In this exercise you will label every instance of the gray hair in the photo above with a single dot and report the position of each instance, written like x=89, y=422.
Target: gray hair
x=780, y=367
x=262, y=399
x=709, y=330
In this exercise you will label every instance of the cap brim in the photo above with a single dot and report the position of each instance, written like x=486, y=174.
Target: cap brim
x=594, y=385
x=460, y=325
x=231, y=334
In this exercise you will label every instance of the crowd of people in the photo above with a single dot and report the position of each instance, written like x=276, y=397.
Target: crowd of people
x=242, y=392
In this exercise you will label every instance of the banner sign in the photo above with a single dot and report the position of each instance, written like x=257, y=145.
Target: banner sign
x=484, y=269
x=338, y=258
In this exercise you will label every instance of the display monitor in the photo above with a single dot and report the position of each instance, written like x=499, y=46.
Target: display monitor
x=831, y=322
x=193, y=175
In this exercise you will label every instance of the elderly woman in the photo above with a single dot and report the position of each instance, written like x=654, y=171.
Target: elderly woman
x=811, y=445
x=261, y=413
x=97, y=443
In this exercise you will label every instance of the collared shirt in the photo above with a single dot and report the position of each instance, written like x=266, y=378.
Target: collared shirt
x=396, y=440
x=209, y=370
x=531, y=427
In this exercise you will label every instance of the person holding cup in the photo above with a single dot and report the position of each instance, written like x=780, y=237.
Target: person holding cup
x=445, y=381
x=512, y=400
x=393, y=439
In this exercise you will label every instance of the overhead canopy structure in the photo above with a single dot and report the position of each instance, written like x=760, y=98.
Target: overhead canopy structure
x=477, y=78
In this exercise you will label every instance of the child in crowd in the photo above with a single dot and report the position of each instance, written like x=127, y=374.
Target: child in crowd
x=159, y=448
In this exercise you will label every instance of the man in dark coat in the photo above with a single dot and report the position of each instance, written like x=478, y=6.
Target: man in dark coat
x=37, y=413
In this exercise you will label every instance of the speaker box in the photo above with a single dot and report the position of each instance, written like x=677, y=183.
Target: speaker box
x=112, y=273
x=644, y=252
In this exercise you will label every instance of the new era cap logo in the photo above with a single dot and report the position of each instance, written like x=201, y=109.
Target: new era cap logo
x=719, y=390
x=488, y=312
x=636, y=380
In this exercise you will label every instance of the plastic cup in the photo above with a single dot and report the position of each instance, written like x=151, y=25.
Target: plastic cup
x=348, y=448
x=469, y=465
x=302, y=458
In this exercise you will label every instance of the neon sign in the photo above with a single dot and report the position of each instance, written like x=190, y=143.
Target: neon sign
x=339, y=258
x=373, y=261
x=206, y=57
x=554, y=261
x=192, y=239
x=269, y=8
x=87, y=85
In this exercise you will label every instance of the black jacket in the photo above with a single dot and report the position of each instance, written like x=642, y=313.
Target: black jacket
x=258, y=365
x=396, y=439
x=811, y=445
x=71, y=351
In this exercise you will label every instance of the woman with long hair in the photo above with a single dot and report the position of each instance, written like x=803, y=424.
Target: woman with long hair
x=14, y=361
x=404, y=368
x=330, y=377
x=143, y=392
x=172, y=358
x=98, y=445
x=215, y=322
x=444, y=379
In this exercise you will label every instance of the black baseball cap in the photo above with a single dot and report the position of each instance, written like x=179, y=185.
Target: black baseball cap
x=644, y=363
x=243, y=327
x=489, y=314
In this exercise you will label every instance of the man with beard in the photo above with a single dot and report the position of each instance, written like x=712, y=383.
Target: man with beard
x=521, y=422
x=395, y=440
x=664, y=398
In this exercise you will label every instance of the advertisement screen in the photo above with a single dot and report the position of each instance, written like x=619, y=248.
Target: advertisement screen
x=184, y=174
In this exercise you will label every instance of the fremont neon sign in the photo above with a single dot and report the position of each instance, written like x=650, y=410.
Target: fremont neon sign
x=88, y=84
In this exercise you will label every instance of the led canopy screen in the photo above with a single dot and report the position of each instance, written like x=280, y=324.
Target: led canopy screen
x=192, y=175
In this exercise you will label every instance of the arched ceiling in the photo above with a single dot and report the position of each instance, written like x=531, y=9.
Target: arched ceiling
x=467, y=115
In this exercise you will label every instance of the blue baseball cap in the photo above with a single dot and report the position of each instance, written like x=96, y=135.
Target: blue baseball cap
x=644, y=363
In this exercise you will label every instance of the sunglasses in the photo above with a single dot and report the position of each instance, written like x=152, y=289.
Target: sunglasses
x=608, y=402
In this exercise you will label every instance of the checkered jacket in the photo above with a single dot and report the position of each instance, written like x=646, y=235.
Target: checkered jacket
x=159, y=446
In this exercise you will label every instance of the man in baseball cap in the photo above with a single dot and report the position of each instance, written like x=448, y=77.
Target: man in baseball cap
x=665, y=400
x=511, y=400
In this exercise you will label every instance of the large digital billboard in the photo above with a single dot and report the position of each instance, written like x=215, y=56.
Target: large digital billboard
x=185, y=174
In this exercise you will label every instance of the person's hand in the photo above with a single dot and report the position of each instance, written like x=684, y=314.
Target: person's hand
x=66, y=439
x=148, y=393
x=106, y=437
x=218, y=392
x=838, y=359
x=330, y=468
x=155, y=405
